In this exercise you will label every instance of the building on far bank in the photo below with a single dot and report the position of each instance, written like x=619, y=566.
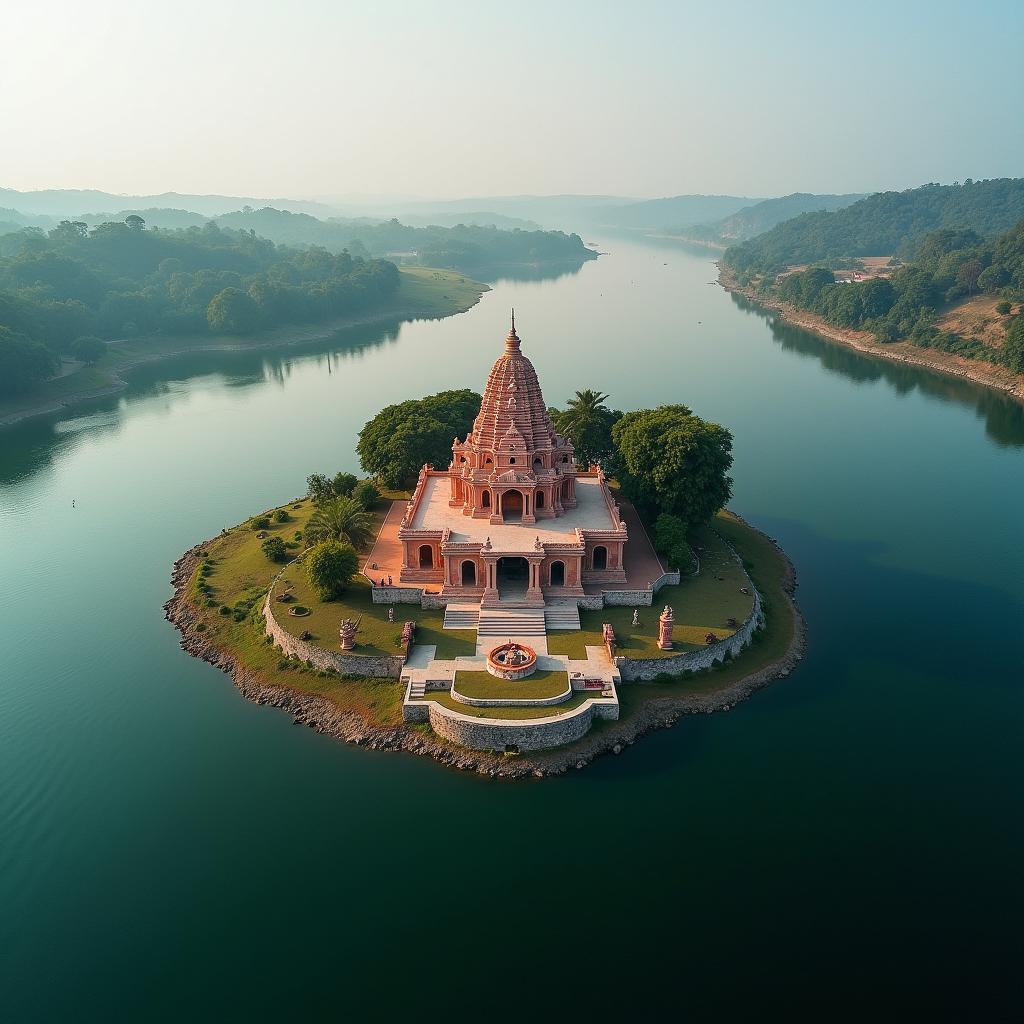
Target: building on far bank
x=512, y=520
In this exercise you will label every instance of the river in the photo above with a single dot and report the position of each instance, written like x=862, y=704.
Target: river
x=170, y=851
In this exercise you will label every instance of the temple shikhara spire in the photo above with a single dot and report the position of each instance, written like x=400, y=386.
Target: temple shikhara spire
x=513, y=470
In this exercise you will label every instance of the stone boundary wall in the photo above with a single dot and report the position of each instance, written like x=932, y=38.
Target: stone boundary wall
x=667, y=579
x=645, y=669
x=614, y=598
x=384, y=666
x=396, y=595
x=591, y=603
x=387, y=666
x=511, y=702
x=496, y=734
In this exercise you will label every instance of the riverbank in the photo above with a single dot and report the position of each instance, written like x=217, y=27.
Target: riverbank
x=424, y=293
x=367, y=711
x=987, y=374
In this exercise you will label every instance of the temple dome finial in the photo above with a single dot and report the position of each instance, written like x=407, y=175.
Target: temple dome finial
x=512, y=340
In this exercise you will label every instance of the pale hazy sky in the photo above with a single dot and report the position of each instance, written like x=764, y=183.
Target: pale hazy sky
x=445, y=99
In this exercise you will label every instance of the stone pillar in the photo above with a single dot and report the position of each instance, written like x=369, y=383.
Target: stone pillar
x=665, y=623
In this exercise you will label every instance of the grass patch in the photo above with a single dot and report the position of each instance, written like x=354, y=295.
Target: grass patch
x=702, y=604
x=482, y=685
x=437, y=292
x=445, y=700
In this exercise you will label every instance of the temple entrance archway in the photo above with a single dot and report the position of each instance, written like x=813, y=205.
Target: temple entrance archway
x=600, y=558
x=486, y=500
x=512, y=507
x=469, y=574
x=513, y=575
x=426, y=556
x=557, y=574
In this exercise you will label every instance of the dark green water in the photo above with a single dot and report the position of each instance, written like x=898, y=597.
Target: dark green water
x=852, y=835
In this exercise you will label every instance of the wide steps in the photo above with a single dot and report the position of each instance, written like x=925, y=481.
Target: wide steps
x=562, y=617
x=417, y=689
x=461, y=617
x=512, y=622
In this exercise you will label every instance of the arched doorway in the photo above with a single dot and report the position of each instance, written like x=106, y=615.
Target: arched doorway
x=469, y=574
x=565, y=490
x=557, y=575
x=513, y=576
x=426, y=556
x=538, y=464
x=538, y=501
x=512, y=506
x=600, y=558
x=485, y=502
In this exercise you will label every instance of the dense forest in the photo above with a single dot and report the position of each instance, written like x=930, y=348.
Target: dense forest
x=949, y=265
x=888, y=223
x=66, y=291
x=463, y=247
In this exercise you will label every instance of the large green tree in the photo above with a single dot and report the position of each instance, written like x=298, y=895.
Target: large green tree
x=233, y=311
x=340, y=518
x=673, y=461
x=401, y=438
x=588, y=422
x=330, y=567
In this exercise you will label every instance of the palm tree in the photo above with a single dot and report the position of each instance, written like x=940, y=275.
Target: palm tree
x=341, y=518
x=586, y=421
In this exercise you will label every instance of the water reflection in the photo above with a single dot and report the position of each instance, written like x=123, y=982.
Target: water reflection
x=1003, y=415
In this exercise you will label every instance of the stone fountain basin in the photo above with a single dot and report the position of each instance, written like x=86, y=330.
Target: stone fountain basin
x=512, y=661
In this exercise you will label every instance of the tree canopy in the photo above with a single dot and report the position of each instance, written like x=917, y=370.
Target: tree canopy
x=588, y=422
x=401, y=438
x=672, y=461
x=330, y=566
x=124, y=279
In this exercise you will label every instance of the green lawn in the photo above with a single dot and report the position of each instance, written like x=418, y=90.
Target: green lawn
x=482, y=685
x=445, y=700
x=701, y=604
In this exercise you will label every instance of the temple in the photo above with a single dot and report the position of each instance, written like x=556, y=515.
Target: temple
x=512, y=521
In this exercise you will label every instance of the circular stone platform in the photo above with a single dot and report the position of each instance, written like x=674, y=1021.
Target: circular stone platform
x=512, y=661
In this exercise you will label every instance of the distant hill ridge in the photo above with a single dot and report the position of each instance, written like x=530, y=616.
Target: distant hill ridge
x=883, y=224
x=761, y=217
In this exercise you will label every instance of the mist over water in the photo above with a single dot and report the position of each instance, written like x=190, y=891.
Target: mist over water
x=165, y=844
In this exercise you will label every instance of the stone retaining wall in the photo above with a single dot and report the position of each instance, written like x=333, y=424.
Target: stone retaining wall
x=645, y=669
x=384, y=666
x=630, y=598
x=396, y=595
x=497, y=734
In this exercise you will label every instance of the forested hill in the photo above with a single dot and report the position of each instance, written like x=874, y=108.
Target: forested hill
x=883, y=224
x=462, y=247
x=761, y=217
x=67, y=291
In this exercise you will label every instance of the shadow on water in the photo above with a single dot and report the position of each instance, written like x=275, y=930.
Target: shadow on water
x=526, y=272
x=1003, y=416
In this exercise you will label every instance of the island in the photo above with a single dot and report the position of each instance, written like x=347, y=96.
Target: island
x=510, y=613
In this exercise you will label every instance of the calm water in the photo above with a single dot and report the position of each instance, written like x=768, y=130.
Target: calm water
x=169, y=851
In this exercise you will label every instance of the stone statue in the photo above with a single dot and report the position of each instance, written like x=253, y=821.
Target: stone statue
x=391, y=615
x=636, y=616
x=347, y=632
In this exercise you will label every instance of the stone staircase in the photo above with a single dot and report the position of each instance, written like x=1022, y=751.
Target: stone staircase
x=562, y=616
x=418, y=689
x=461, y=616
x=518, y=622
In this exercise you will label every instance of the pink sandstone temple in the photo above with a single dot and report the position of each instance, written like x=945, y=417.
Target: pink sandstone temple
x=512, y=520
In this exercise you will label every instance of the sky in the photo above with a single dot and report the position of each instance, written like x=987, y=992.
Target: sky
x=445, y=99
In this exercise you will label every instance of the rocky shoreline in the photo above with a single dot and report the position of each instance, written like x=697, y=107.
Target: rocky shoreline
x=321, y=714
x=987, y=374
